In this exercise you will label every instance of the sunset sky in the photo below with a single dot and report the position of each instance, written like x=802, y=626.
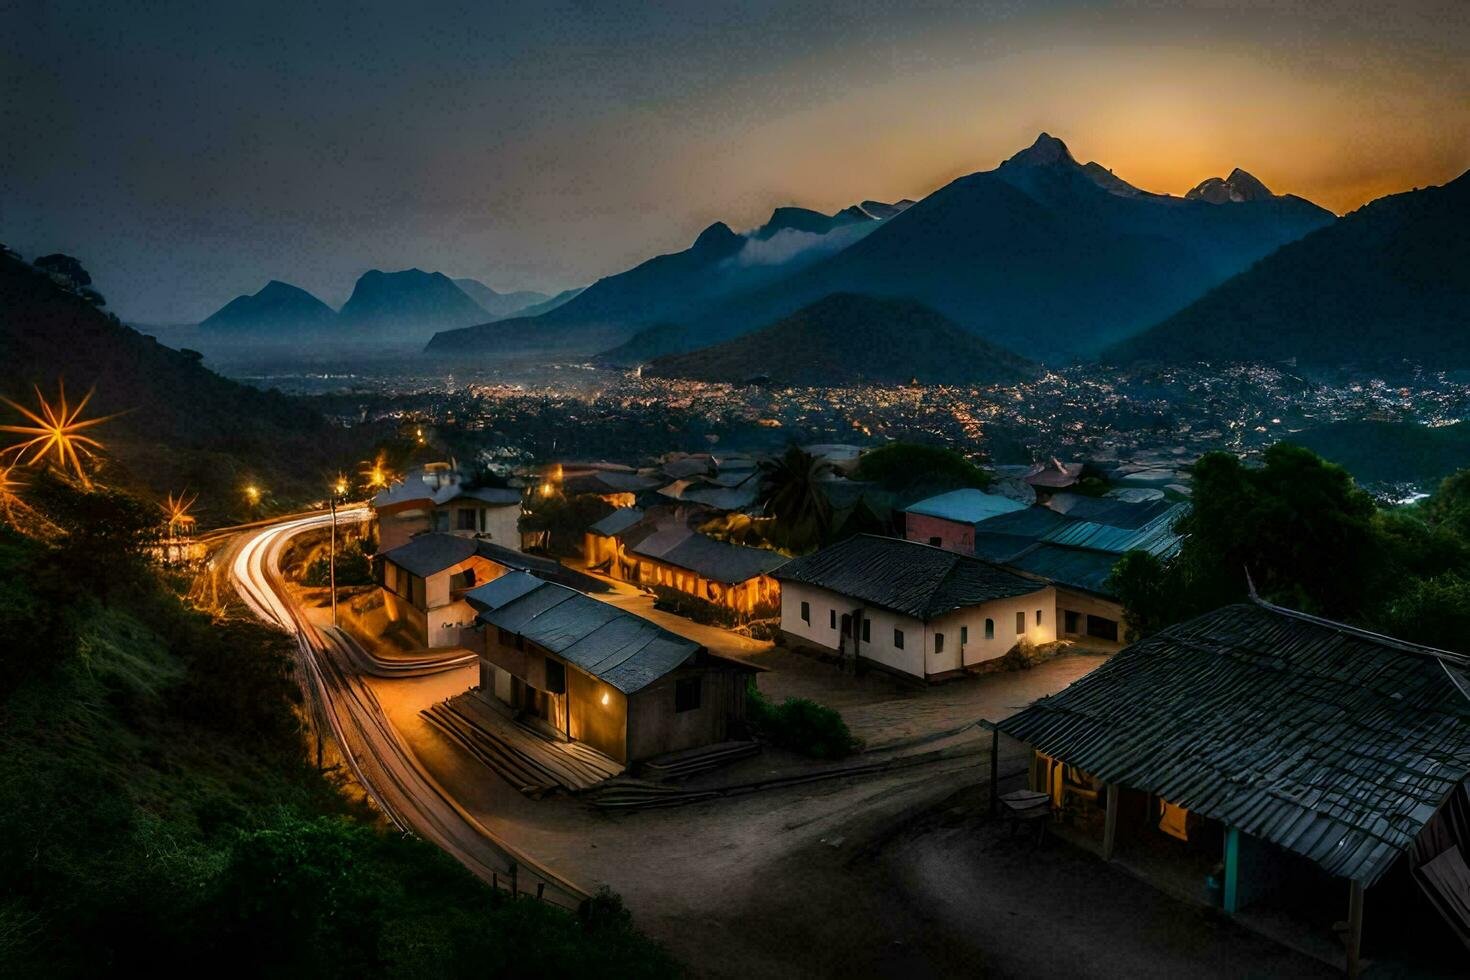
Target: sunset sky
x=188, y=154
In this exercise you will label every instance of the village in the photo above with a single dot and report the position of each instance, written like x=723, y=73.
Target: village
x=610, y=664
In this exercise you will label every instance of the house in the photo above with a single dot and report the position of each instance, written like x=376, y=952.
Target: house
x=590, y=672
x=438, y=498
x=910, y=608
x=1317, y=762
x=948, y=520
x=423, y=583
x=1073, y=542
x=659, y=549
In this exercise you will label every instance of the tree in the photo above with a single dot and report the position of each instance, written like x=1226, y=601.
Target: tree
x=910, y=468
x=69, y=272
x=792, y=494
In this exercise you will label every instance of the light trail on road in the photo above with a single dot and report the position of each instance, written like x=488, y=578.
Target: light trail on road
x=374, y=750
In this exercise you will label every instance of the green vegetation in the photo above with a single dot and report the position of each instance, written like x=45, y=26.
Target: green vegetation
x=563, y=518
x=1374, y=451
x=793, y=496
x=157, y=805
x=354, y=565
x=801, y=725
x=1310, y=539
x=908, y=468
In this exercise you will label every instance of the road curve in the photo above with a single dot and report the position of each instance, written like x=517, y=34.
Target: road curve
x=329, y=661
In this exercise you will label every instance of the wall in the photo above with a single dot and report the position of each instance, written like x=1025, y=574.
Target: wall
x=502, y=525
x=918, y=657
x=655, y=728
x=395, y=529
x=602, y=726
x=1085, y=604
x=953, y=535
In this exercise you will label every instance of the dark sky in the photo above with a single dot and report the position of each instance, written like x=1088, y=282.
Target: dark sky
x=188, y=152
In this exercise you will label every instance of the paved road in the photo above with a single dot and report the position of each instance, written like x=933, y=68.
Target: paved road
x=372, y=748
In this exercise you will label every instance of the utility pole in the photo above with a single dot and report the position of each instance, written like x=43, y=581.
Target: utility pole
x=332, y=562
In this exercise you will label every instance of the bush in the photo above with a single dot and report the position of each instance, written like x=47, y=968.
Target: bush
x=702, y=611
x=801, y=725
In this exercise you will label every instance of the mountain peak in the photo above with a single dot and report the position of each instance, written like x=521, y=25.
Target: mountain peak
x=1239, y=186
x=1047, y=151
x=717, y=237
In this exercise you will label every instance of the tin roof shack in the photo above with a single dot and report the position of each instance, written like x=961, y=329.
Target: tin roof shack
x=910, y=608
x=949, y=519
x=423, y=583
x=1073, y=542
x=588, y=671
x=439, y=498
x=1304, y=752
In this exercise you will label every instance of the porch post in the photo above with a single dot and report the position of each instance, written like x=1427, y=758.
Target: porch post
x=1110, y=826
x=994, y=772
x=1355, y=930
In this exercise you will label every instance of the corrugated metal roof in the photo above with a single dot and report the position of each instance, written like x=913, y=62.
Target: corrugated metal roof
x=618, y=521
x=703, y=555
x=625, y=650
x=1156, y=537
x=905, y=576
x=1077, y=567
x=501, y=591
x=426, y=554
x=965, y=506
x=1327, y=741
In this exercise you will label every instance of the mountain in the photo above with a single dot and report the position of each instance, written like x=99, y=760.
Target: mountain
x=1041, y=255
x=676, y=287
x=1239, y=186
x=560, y=299
x=278, y=308
x=847, y=338
x=407, y=304
x=879, y=210
x=1385, y=283
x=184, y=426
x=499, y=304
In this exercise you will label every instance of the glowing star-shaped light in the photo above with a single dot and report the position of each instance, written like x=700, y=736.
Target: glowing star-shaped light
x=177, y=509
x=56, y=433
x=11, y=484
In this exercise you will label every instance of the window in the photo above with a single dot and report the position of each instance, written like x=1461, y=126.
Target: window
x=1020, y=623
x=466, y=519
x=938, y=642
x=806, y=613
x=867, y=633
x=1038, y=617
x=897, y=639
x=964, y=635
x=1069, y=621
x=990, y=629
x=936, y=542
x=556, y=676
x=687, y=693
x=833, y=619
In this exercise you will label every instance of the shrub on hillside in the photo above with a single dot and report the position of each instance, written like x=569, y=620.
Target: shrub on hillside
x=801, y=725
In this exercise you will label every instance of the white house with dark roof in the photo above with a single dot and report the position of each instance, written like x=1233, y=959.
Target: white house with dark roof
x=910, y=608
x=439, y=498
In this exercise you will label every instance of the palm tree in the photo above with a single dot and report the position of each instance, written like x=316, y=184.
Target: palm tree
x=791, y=493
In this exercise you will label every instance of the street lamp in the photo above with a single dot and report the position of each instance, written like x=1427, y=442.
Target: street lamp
x=252, y=494
x=339, y=489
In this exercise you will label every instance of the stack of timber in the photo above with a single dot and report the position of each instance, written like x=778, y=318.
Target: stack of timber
x=679, y=765
x=528, y=760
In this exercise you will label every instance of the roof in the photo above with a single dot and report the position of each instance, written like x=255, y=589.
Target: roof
x=1112, y=511
x=416, y=490
x=1080, y=568
x=904, y=576
x=965, y=506
x=1328, y=741
x=1053, y=474
x=618, y=521
x=625, y=650
x=426, y=554
x=498, y=592
x=1157, y=537
x=703, y=555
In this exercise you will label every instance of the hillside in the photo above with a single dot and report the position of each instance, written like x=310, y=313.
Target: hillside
x=278, y=309
x=847, y=339
x=1385, y=283
x=407, y=305
x=1042, y=255
x=184, y=426
x=499, y=304
x=1381, y=453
